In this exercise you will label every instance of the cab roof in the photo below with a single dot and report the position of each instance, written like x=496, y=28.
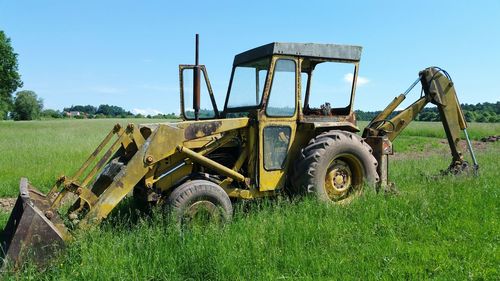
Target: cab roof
x=327, y=51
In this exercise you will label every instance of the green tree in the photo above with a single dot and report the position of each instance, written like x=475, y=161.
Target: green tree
x=470, y=116
x=89, y=109
x=112, y=110
x=10, y=79
x=27, y=106
x=51, y=113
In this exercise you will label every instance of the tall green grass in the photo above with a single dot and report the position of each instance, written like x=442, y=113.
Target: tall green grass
x=444, y=228
x=437, y=228
x=44, y=150
x=476, y=131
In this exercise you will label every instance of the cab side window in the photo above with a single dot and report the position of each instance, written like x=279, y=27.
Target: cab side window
x=330, y=87
x=282, y=95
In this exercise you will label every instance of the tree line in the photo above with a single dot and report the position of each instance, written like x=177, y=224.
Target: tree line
x=485, y=112
x=108, y=111
x=27, y=106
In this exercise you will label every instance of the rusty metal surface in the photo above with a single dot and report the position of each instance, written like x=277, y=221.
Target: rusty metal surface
x=32, y=231
x=327, y=51
x=196, y=130
x=381, y=149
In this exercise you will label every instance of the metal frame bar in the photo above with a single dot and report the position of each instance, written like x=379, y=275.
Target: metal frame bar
x=200, y=159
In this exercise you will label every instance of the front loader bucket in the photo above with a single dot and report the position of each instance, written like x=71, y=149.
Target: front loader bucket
x=29, y=232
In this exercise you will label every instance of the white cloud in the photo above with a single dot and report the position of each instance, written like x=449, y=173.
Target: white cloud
x=146, y=111
x=361, y=80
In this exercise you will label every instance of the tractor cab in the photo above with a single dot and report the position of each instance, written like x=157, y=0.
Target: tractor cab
x=309, y=83
x=314, y=82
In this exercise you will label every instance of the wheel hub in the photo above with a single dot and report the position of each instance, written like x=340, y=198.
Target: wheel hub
x=338, y=179
x=201, y=213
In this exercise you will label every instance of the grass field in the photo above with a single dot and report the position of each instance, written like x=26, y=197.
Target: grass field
x=444, y=228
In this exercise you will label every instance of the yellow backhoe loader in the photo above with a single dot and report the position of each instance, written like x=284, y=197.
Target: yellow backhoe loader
x=286, y=126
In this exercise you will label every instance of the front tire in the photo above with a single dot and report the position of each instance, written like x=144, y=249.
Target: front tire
x=334, y=166
x=199, y=202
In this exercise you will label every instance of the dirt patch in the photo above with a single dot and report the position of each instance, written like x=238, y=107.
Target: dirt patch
x=491, y=139
x=6, y=204
x=476, y=145
x=442, y=149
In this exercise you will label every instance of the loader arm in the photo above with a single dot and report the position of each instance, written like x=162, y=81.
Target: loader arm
x=438, y=89
x=36, y=223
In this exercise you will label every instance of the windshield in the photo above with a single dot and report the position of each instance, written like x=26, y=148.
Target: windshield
x=248, y=84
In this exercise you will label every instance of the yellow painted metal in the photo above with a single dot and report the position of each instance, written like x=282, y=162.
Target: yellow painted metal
x=439, y=90
x=87, y=195
x=138, y=139
x=211, y=163
x=275, y=179
x=403, y=119
x=251, y=193
x=239, y=162
x=237, y=166
x=389, y=109
x=110, y=152
x=209, y=144
x=216, y=142
x=442, y=93
x=71, y=184
x=89, y=160
x=167, y=137
x=165, y=174
x=116, y=130
x=253, y=151
x=149, y=178
x=201, y=142
x=117, y=190
x=343, y=175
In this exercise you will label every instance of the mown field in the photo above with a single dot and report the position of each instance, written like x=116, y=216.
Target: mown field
x=444, y=228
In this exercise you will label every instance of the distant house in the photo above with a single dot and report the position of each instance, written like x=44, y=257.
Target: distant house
x=72, y=113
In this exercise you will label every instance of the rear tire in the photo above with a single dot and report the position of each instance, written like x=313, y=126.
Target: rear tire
x=334, y=166
x=200, y=202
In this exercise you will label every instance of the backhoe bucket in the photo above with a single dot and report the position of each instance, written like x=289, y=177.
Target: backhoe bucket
x=32, y=231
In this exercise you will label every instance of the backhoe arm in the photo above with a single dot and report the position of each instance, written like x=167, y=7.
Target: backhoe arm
x=438, y=89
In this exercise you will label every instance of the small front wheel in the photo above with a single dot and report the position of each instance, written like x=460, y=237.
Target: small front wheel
x=200, y=202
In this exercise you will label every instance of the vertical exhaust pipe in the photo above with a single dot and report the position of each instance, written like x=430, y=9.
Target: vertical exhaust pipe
x=196, y=82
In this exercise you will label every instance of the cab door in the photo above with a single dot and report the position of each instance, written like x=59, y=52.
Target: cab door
x=277, y=123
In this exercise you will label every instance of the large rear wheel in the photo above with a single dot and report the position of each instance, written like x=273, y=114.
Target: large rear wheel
x=334, y=166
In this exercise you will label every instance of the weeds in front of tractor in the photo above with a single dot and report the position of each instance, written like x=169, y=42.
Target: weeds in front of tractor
x=444, y=227
x=437, y=227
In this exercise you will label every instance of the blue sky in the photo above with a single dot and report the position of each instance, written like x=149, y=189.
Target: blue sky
x=127, y=53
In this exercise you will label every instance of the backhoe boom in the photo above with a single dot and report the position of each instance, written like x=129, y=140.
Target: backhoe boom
x=438, y=89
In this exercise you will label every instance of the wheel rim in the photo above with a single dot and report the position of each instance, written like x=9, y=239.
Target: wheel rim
x=202, y=213
x=343, y=177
